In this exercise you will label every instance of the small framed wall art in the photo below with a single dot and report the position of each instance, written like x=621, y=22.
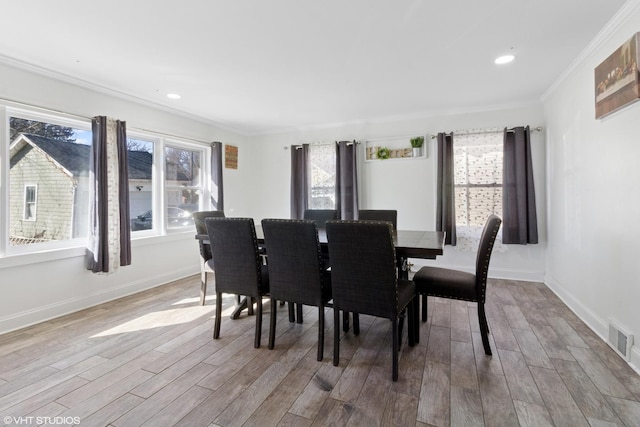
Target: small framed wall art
x=617, y=79
x=231, y=157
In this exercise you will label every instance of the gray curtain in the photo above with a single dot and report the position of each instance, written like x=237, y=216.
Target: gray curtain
x=109, y=174
x=217, y=190
x=299, y=180
x=445, y=204
x=519, y=225
x=346, y=179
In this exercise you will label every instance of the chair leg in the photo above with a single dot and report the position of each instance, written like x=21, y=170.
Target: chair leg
x=320, y=332
x=416, y=319
x=424, y=307
x=292, y=312
x=299, y=313
x=395, y=348
x=216, y=325
x=401, y=317
x=250, y=306
x=411, y=324
x=336, y=335
x=356, y=324
x=258, y=322
x=484, y=329
x=272, y=324
x=203, y=286
x=345, y=321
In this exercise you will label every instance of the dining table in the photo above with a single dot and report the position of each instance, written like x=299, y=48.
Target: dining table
x=423, y=244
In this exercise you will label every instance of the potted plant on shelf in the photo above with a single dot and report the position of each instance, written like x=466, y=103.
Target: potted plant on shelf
x=417, y=143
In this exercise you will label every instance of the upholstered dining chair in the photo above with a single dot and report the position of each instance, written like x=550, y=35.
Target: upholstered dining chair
x=206, y=263
x=320, y=216
x=364, y=279
x=239, y=268
x=446, y=283
x=374, y=215
x=296, y=270
x=379, y=215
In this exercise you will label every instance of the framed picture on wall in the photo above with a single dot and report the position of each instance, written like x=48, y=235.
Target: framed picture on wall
x=617, y=79
x=231, y=157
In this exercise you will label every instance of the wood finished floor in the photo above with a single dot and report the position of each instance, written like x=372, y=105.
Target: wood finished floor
x=150, y=360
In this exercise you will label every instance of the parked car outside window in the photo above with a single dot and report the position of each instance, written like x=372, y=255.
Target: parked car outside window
x=177, y=217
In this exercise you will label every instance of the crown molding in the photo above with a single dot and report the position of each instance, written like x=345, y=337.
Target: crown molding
x=94, y=87
x=626, y=12
x=422, y=115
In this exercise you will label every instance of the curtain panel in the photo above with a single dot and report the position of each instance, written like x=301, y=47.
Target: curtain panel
x=109, y=245
x=519, y=224
x=445, y=204
x=299, y=180
x=347, y=179
x=217, y=190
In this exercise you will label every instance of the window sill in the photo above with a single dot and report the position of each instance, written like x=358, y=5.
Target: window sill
x=53, y=254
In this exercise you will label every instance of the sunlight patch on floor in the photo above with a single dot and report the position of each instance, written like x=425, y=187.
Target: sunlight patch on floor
x=159, y=319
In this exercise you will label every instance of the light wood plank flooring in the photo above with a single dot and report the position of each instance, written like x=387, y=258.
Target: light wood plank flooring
x=150, y=360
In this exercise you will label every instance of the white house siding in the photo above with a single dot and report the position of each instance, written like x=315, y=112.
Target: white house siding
x=55, y=194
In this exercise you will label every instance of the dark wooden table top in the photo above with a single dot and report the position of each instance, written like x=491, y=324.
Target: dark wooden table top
x=409, y=243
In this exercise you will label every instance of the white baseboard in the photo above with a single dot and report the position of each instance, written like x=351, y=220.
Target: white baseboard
x=598, y=325
x=494, y=273
x=525, y=276
x=71, y=305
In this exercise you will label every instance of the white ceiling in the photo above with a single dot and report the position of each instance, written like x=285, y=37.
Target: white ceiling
x=267, y=65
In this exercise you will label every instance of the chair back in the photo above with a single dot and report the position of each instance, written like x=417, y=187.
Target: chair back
x=488, y=238
x=363, y=267
x=234, y=247
x=201, y=228
x=379, y=215
x=295, y=262
x=320, y=216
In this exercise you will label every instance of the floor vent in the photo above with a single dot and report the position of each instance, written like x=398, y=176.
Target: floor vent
x=620, y=340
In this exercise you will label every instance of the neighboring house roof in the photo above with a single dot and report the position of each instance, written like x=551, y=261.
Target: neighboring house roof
x=75, y=157
x=140, y=163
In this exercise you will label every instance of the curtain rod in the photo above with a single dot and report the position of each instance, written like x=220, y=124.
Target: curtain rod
x=485, y=132
x=319, y=144
x=50, y=111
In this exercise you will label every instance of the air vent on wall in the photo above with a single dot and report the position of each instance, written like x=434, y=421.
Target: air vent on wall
x=620, y=340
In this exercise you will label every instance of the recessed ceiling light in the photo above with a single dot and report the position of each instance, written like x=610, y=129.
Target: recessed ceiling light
x=173, y=96
x=505, y=59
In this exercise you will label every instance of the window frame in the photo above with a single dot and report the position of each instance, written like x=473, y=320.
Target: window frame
x=75, y=247
x=156, y=187
x=59, y=119
x=469, y=185
x=331, y=146
x=202, y=187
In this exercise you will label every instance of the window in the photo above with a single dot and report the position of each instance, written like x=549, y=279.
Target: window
x=30, y=200
x=478, y=183
x=322, y=160
x=141, y=184
x=183, y=184
x=48, y=173
x=47, y=192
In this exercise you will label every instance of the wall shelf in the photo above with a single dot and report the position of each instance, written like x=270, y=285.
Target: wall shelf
x=397, y=148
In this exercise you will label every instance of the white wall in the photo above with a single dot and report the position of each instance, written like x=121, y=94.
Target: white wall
x=407, y=185
x=40, y=286
x=593, y=210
